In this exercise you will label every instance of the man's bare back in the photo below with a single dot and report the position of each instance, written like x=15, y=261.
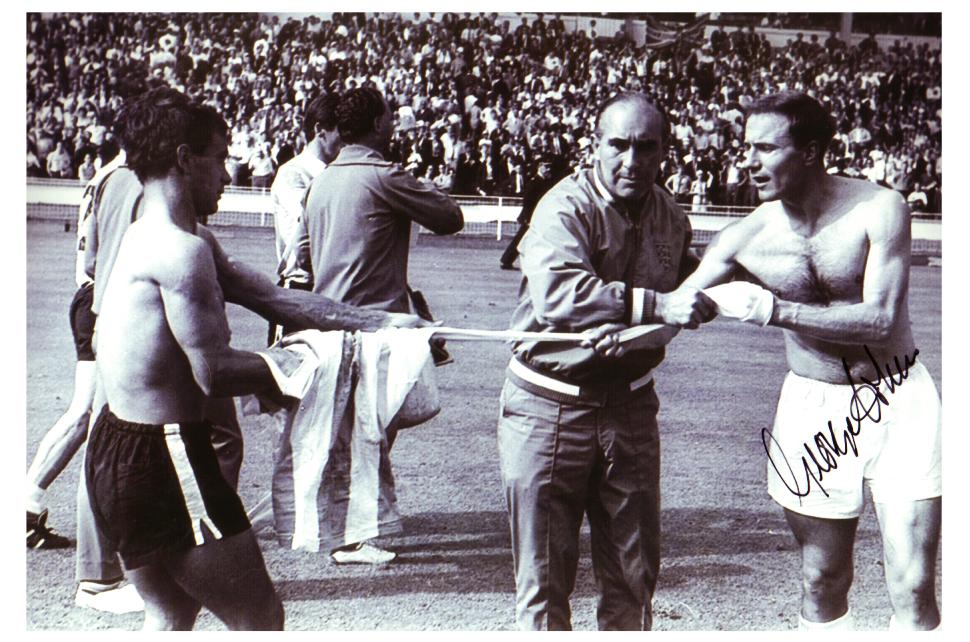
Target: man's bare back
x=147, y=376
x=830, y=261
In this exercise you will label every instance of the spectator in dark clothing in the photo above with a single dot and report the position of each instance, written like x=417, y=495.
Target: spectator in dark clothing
x=533, y=194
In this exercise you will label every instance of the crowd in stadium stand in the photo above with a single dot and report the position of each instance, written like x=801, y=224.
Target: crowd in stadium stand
x=910, y=24
x=481, y=101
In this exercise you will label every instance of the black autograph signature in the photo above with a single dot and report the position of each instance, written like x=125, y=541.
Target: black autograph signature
x=867, y=401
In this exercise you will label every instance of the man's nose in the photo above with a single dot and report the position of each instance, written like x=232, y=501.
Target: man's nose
x=628, y=157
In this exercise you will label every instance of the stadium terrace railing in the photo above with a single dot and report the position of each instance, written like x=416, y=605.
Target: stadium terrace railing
x=485, y=216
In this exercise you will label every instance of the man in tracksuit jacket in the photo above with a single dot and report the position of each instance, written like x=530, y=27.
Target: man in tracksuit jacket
x=577, y=433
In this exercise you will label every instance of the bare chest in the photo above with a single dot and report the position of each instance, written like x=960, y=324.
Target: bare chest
x=824, y=267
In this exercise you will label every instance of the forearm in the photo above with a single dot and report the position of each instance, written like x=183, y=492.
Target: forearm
x=857, y=323
x=299, y=310
x=295, y=309
x=237, y=373
x=574, y=299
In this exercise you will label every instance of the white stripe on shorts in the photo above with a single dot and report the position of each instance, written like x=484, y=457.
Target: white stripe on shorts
x=190, y=487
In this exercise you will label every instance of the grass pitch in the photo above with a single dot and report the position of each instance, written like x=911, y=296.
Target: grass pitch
x=729, y=561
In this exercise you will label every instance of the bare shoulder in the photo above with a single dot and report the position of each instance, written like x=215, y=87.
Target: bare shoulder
x=881, y=210
x=735, y=236
x=868, y=197
x=171, y=255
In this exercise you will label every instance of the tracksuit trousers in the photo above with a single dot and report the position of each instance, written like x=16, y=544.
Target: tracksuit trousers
x=561, y=460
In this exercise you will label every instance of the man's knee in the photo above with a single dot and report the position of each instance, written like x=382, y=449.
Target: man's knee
x=267, y=615
x=911, y=586
x=172, y=618
x=268, y=618
x=826, y=583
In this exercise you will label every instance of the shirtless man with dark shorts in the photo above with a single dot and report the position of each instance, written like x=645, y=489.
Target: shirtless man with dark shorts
x=163, y=351
x=833, y=257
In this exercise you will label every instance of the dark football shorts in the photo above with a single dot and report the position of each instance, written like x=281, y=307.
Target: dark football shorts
x=82, y=322
x=157, y=490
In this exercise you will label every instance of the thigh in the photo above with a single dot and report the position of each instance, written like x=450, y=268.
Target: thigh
x=545, y=447
x=826, y=544
x=909, y=465
x=630, y=445
x=910, y=536
x=228, y=576
x=66, y=436
x=167, y=605
x=82, y=322
x=624, y=496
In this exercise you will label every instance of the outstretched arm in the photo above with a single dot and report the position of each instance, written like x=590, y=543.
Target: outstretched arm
x=295, y=309
x=719, y=261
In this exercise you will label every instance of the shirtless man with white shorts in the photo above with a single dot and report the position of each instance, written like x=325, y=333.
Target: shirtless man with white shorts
x=833, y=257
x=162, y=339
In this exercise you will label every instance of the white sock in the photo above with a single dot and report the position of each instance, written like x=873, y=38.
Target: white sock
x=36, y=498
x=894, y=625
x=844, y=623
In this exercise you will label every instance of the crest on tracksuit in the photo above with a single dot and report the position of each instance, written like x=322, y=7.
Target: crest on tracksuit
x=664, y=255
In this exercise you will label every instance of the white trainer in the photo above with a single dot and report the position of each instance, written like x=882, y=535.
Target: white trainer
x=364, y=553
x=124, y=599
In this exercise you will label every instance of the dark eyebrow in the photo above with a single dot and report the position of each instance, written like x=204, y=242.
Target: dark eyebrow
x=626, y=142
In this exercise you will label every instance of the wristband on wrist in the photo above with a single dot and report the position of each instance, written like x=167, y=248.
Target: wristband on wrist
x=636, y=308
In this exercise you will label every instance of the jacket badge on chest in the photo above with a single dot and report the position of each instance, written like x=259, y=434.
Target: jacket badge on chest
x=664, y=255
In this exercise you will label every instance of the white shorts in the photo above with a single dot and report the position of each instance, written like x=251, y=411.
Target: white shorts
x=818, y=470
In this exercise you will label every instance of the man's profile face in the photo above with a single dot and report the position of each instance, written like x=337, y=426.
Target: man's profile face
x=209, y=176
x=385, y=126
x=775, y=165
x=629, y=146
x=331, y=144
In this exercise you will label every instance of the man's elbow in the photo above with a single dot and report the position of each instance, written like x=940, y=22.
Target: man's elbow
x=206, y=375
x=883, y=327
x=222, y=378
x=453, y=223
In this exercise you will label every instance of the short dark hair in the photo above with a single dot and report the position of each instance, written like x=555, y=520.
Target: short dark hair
x=357, y=111
x=322, y=111
x=635, y=97
x=152, y=126
x=808, y=121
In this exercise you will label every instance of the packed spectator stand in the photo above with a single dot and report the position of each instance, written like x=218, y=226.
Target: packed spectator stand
x=482, y=100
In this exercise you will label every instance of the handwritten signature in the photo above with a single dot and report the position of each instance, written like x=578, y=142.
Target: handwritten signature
x=866, y=403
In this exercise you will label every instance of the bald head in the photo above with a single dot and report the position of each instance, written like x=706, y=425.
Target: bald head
x=630, y=136
x=640, y=100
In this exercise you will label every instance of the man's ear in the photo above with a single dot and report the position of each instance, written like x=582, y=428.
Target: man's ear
x=811, y=153
x=182, y=156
